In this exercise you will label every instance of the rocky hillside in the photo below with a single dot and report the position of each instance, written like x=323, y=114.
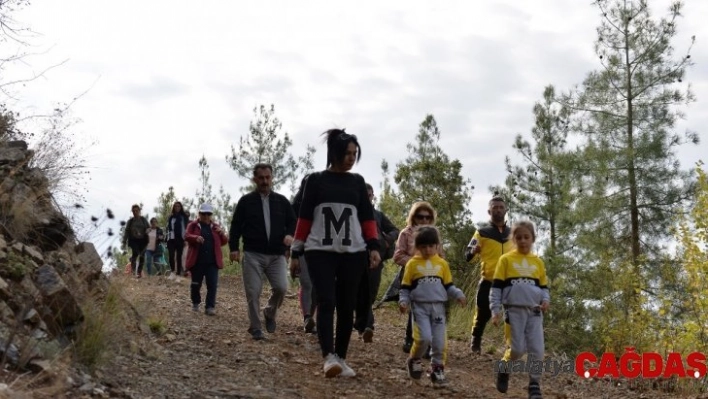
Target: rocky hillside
x=45, y=275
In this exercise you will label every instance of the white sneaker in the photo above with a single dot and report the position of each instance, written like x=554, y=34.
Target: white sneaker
x=332, y=367
x=347, y=372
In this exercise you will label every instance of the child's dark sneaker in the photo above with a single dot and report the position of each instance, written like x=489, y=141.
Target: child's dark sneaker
x=437, y=376
x=502, y=382
x=407, y=346
x=415, y=368
x=535, y=391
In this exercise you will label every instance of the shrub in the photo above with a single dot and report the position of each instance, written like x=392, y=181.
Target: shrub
x=101, y=328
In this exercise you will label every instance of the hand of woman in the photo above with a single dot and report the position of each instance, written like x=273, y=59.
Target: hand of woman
x=294, y=267
x=374, y=259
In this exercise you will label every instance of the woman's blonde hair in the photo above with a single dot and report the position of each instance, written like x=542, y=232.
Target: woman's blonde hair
x=418, y=206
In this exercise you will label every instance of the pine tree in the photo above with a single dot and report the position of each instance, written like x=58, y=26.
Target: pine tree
x=428, y=174
x=540, y=187
x=163, y=210
x=266, y=144
x=223, y=207
x=627, y=168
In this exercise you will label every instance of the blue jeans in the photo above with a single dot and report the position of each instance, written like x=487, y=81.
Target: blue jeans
x=210, y=273
x=149, y=260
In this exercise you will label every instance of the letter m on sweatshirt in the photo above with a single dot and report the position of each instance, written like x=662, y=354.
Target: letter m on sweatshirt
x=337, y=223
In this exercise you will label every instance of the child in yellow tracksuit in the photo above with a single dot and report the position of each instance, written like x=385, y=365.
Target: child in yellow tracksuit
x=426, y=286
x=520, y=285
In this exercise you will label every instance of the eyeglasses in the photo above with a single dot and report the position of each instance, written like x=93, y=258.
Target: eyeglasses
x=424, y=217
x=347, y=136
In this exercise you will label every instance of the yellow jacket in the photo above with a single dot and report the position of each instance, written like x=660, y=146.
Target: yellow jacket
x=493, y=244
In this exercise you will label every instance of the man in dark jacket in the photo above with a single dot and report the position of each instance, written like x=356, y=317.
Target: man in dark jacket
x=369, y=286
x=266, y=222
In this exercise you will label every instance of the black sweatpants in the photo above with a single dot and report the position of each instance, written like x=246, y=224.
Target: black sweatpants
x=482, y=312
x=336, y=279
x=368, y=290
x=175, y=248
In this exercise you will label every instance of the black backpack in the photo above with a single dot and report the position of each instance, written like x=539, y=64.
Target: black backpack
x=386, y=253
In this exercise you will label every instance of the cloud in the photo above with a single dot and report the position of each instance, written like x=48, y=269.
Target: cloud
x=155, y=89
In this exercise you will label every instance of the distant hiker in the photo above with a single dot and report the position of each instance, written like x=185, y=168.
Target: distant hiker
x=520, y=286
x=308, y=305
x=266, y=222
x=153, y=249
x=421, y=214
x=425, y=289
x=176, y=228
x=369, y=287
x=205, y=239
x=335, y=228
x=135, y=237
x=490, y=242
x=185, y=250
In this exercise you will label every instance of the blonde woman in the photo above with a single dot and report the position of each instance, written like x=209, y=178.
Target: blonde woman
x=421, y=214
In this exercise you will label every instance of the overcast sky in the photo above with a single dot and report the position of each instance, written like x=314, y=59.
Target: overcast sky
x=172, y=80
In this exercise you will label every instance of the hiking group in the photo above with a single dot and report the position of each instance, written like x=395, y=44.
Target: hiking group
x=336, y=243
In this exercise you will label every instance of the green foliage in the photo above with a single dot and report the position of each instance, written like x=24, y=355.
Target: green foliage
x=686, y=328
x=390, y=202
x=223, y=206
x=265, y=144
x=163, y=210
x=428, y=174
x=628, y=182
x=14, y=267
x=157, y=325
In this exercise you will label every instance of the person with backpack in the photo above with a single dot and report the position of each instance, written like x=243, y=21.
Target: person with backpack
x=369, y=286
x=136, y=238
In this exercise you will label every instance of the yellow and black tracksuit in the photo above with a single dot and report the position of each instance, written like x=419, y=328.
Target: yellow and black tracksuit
x=493, y=243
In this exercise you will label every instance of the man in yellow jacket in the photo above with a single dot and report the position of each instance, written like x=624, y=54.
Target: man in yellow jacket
x=489, y=243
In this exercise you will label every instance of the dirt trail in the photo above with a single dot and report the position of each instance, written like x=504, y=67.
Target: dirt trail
x=214, y=357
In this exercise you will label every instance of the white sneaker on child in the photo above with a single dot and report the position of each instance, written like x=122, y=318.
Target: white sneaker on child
x=332, y=367
x=347, y=372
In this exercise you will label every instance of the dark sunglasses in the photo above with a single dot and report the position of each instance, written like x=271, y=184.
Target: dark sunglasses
x=205, y=213
x=347, y=136
x=424, y=217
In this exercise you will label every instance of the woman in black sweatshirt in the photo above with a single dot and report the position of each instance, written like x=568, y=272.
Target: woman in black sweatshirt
x=336, y=231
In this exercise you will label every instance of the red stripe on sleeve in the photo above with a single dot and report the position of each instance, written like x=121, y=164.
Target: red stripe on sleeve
x=369, y=230
x=302, y=229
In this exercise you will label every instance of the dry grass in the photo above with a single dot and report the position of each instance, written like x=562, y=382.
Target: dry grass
x=104, y=323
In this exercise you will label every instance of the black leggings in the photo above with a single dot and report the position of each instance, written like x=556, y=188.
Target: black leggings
x=175, y=248
x=336, y=279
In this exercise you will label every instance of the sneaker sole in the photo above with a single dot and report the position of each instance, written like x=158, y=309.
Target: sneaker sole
x=333, y=371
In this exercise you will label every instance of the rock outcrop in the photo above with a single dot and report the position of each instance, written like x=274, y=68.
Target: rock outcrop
x=44, y=273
